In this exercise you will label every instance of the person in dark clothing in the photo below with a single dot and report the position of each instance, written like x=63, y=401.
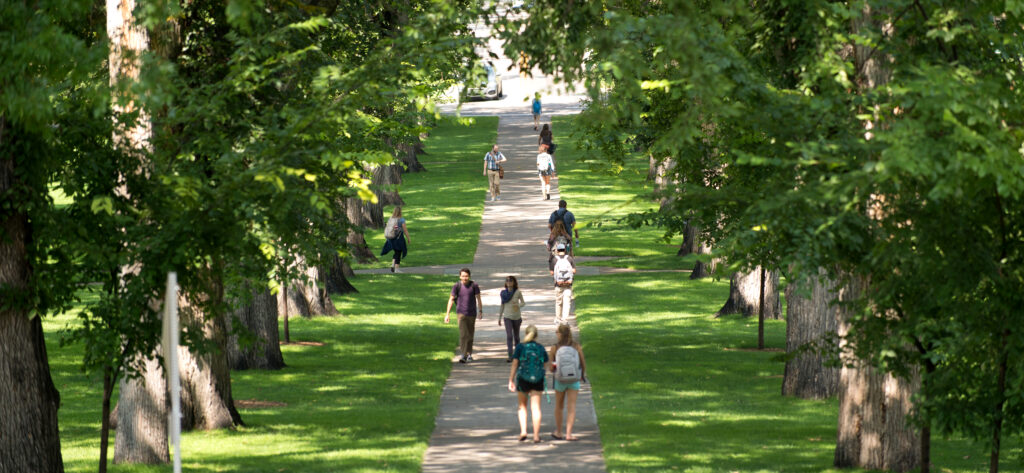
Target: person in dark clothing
x=566, y=217
x=466, y=297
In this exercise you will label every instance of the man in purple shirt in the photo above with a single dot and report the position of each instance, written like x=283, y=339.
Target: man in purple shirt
x=466, y=296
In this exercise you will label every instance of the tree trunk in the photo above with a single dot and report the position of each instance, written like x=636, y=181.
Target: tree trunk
x=358, y=217
x=141, y=433
x=206, y=402
x=314, y=290
x=337, y=275
x=872, y=432
x=744, y=293
x=809, y=320
x=385, y=178
x=260, y=318
x=29, y=435
x=690, y=243
x=701, y=269
x=408, y=154
x=292, y=300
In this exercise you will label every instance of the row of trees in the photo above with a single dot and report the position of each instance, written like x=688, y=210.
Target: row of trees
x=869, y=151
x=233, y=142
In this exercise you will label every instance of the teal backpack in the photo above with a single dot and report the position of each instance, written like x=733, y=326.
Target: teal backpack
x=531, y=363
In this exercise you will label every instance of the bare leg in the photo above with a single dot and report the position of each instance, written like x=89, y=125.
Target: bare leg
x=535, y=404
x=522, y=414
x=570, y=415
x=559, y=405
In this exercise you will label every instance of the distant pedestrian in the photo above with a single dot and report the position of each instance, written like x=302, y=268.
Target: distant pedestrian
x=511, y=303
x=466, y=296
x=566, y=217
x=562, y=267
x=536, y=110
x=545, y=138
x=545, y=169
x=526, y=378
x=492, y=169
x=558, y=236
x=569, y=369
x=397, y=239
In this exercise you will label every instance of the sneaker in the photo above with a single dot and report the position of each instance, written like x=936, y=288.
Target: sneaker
x=392, y=269
x=509, y=359
x=462, y=360
x=547, y=196
x=469, y=358
x=497, y=198
x=395, y=270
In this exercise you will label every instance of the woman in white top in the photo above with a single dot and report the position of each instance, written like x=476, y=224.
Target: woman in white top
x=545, y=168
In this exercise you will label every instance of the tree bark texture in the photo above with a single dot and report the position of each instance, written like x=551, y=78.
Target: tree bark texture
x=356, y=213
x=810, y=318
x=408, y=153
x=385, y=178
x=690, y=245
x=745, y=291
x=141, y=432
x=206, y=402
x=307, y=296
x=260, y=318
x=29, y=436
x=874, y=407
x=336, y=277
x=701, y=269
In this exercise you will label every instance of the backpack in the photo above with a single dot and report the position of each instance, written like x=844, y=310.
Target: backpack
x=531, y=363
x=391, y=229
x=563, y=270
x=567, y=360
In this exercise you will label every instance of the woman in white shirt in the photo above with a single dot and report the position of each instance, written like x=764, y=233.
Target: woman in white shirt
x=545, y=168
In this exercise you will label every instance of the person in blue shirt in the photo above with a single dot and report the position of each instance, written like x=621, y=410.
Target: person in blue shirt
x=536, y=110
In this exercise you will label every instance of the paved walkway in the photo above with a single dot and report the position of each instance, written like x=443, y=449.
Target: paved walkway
x=477, y=428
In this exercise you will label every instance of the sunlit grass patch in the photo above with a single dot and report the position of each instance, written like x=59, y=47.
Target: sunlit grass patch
x=362, y=399
x=678, y=390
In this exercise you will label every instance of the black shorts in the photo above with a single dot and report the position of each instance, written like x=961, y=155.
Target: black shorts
x=525, y=386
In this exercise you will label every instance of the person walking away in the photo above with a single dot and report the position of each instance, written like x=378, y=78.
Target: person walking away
x=563, y=269
x=466, y=296
x=492, y=169
x=545, y=169
x=396, y=238
x=566, y=217
x=569, y=368
x=511, y=301
x=526, y=378
x=545, y=139
x=536, y=110
x=558, y=236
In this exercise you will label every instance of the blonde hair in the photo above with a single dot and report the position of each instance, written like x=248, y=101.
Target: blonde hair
x=531, y=333
x=564, y=336
x=397, y=213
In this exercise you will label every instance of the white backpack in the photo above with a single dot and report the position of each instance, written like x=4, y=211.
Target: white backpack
x=391, y=228
x=563, y=270
x=568, y=367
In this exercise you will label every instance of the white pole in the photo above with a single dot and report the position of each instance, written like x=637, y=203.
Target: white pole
x=171, y=332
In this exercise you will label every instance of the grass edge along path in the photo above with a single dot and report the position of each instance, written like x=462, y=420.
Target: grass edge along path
x=363, y=398
x=444, y=205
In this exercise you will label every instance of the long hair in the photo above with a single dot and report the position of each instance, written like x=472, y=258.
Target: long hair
x=515, y=283
x=530, y=334
x=398, y=212
x=558, y=229
x=564, y=336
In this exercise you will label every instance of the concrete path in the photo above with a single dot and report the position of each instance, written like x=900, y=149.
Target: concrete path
x=477, y=428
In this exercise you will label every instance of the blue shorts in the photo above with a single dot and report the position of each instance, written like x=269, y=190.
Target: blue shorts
x=560, y=387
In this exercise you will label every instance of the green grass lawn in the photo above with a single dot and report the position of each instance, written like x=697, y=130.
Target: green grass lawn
x=444, y=205
x=363, y=401
x=598, y=200
x=678, y=390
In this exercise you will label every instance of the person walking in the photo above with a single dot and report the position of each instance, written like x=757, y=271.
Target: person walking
x=511, y=301
x=526, y=378
x=569, y=368
x=396, y=238
x=545, y=138
x=558, y=235
x=562, y=267
x=566, y=217
x=466, y=297
x=545, y=169
x=535, y=105
x=492, y=169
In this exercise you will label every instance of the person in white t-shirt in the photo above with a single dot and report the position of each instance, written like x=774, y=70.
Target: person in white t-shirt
x=546, y=169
